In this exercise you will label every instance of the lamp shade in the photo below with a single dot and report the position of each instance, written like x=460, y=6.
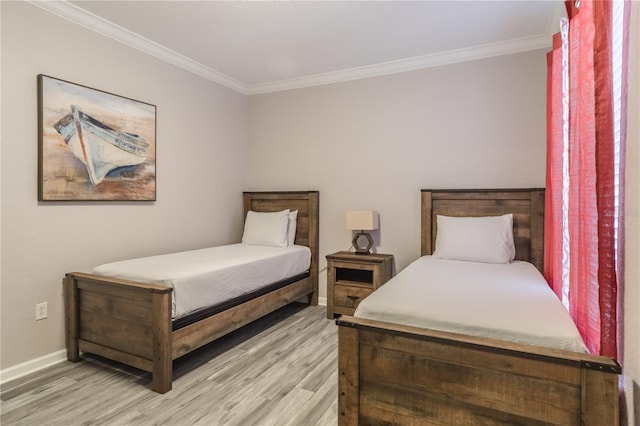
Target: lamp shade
x=362, y=220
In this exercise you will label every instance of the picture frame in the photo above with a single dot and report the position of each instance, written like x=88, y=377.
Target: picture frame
x=94, y=145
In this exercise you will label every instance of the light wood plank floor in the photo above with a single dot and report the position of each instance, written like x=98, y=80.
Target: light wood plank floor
x=280, y=370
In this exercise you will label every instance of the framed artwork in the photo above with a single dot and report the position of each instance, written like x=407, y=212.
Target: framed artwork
x=94, y=145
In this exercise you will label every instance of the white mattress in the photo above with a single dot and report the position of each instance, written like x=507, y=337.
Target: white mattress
x=206, y=277
x=510, y=302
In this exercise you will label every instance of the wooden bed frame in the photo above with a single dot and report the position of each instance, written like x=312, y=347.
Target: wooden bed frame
x=396, y=374
x=130, y=322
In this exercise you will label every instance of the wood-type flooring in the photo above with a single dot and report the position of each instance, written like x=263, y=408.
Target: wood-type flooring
x=279, y=370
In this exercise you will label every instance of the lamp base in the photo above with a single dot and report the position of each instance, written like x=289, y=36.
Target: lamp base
x=358, y=247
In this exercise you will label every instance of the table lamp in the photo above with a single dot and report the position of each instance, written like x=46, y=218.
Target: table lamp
x=362, y=220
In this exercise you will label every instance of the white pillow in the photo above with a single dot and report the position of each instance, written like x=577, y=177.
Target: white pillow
x=291, y=229
x=266, y=229
x=487, y=239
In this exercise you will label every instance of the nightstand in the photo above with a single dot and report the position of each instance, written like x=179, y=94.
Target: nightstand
x=352, y=277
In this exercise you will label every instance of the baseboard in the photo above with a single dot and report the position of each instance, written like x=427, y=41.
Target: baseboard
x=32, y=366
x=322, y=301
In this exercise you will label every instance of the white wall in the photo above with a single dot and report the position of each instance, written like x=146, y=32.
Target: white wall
x=375, y=143
x=201, y=146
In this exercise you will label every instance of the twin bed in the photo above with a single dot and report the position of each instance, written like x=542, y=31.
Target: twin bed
x=147, y=312
x=449, y=341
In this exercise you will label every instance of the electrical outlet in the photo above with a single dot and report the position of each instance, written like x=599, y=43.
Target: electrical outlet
x=41, y=311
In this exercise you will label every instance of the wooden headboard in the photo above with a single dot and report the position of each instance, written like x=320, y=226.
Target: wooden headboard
x=307, y=228
x=526, y=205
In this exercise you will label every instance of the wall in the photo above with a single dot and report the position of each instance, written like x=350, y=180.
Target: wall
x=201, y=146
x=374, y=143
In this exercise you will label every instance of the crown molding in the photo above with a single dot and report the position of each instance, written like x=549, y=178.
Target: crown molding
x=100, y=25
x=95, y=23
x=409, y=64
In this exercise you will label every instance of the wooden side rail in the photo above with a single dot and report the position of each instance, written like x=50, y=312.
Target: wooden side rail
x=209, y=329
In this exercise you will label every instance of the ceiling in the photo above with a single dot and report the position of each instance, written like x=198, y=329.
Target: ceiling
x=264, y=46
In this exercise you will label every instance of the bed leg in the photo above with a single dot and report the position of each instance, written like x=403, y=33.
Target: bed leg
x=348, y=380
x=70, y=294
x=312, y=299
x=598, y=386
x=162, y=351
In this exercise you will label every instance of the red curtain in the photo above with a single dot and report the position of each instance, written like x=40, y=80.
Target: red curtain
x=553, y=193
x=605, y=183
x=583, y=218
x=592, y=277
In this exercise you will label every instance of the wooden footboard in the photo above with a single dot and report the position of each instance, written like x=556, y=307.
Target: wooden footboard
x=394, y=374
x=130, y=322
x=122, y=320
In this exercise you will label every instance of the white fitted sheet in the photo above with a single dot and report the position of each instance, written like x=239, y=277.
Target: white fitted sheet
x=510, y=302
x=206, y=277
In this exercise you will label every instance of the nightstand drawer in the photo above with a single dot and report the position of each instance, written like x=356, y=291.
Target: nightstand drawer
x=349, y=296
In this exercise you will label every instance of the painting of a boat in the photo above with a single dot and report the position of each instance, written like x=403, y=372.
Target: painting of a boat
x=101, y=148
x=94, y=145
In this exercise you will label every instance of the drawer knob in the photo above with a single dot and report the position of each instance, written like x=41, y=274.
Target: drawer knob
x=353, y=297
